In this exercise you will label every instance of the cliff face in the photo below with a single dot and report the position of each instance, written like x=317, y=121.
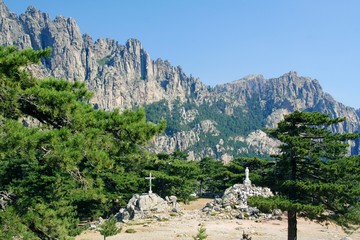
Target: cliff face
x=285, y=94
x=122, y=76
x=262, y=103
x=223, y=121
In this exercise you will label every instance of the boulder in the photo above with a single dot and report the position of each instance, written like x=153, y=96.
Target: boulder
x=140, y=206
x=235, y=198
x=239, y=193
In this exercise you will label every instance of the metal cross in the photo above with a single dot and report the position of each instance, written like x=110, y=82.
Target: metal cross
x=150, y=178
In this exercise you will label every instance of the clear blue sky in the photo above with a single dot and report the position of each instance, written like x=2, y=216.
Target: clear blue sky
x=223, y=40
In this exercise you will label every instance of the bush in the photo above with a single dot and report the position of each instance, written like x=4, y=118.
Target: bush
x=201, y=233
x=130, y=230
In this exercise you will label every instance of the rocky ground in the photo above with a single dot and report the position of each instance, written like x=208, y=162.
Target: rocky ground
x=184, y=227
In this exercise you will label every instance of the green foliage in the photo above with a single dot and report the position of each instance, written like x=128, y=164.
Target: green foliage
x=74, y=162
x=214, y=176
x=312, y=176
x=13, y=226
x=108, y=228
x=266, y=205
x=261, y=170
x=201, y=233
x=242, y=121
x=155, y=112
x=14, y=79
x=130, y=230
x=175, y=176
x=103, y=61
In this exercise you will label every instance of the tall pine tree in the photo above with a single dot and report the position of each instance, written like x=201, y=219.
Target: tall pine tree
x=314, y=178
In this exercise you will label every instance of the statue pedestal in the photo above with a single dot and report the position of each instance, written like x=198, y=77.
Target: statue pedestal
x=247, y=182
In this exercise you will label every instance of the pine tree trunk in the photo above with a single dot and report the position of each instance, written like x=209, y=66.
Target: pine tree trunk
x=292, y=223
x=292, y=226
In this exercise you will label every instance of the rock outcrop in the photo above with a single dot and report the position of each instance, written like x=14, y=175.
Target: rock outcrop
x=146, y=205
x=238, y=194
x=234, y=201
x=223, y=122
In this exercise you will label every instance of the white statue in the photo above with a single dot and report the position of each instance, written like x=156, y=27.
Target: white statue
x=247, y=179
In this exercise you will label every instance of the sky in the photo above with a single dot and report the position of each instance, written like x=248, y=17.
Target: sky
x=220, y=41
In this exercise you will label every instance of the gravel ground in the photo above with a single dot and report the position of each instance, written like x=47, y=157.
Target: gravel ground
x=184, y=227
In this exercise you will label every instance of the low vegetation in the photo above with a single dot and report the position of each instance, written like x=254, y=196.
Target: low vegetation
x=130, y=230
x=108, y=228
x=201, y=235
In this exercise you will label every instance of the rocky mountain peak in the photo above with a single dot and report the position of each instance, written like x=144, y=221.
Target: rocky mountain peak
x=133, y=43
x=4, y=10
x=32, y=11
x=252, y=77
x=122, y=76
x=11, y=30
x=291, y=75
x=223, y=121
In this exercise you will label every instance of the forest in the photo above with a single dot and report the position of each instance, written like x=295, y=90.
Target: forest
x=62, y=161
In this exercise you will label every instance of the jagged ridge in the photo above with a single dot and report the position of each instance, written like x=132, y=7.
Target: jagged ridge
x=223, y=121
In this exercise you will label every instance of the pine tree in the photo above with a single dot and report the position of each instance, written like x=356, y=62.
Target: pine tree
x=108, y=228
x=201, y=233
x=63, y=167
x=214, y=177
x=314, y=178
x=175, y=176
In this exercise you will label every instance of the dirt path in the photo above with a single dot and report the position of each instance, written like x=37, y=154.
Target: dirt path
x=186, y=226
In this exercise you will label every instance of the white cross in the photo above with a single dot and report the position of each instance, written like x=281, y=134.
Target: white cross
x=150, y=178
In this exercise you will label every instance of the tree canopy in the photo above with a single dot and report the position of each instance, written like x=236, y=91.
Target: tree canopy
x=61, y=160
x=313, y=175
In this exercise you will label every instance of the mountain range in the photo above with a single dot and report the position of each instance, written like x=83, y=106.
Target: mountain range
x=224, y=121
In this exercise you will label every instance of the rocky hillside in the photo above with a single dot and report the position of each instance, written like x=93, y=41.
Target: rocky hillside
x=223, y=121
